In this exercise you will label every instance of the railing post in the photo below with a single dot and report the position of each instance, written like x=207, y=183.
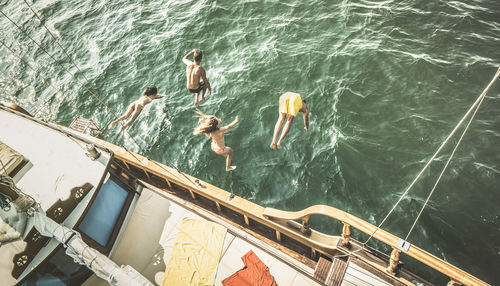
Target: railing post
x=346, y=235
x=393, y=261
x=169, y=184
x=453, y=283
x=305, y=229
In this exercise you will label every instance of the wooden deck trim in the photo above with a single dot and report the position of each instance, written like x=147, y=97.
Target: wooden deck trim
x=258, y=213
x=382, y=235
x=253, y=211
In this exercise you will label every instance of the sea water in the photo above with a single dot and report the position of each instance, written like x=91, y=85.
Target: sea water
x=385, y=83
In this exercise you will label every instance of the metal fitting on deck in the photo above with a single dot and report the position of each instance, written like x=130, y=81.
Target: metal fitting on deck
x=92, y=152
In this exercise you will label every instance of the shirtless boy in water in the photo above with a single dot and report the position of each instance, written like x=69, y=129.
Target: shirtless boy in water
x=193, y=73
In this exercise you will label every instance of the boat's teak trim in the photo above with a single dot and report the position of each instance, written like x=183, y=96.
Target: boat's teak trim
x=258, y=213
x=281, y=221
x=380, y=234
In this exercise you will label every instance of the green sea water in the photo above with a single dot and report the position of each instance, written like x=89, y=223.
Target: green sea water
x=385, y=82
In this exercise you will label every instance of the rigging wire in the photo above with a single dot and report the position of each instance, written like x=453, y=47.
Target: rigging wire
x=57, y=42
x=99, y=99
x=31, y=67
x=478, y=100
x=39, y=73
x=483, y=95
x=74, y=64
x=56, y=61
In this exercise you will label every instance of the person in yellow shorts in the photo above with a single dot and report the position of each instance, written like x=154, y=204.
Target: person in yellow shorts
x=291, y=104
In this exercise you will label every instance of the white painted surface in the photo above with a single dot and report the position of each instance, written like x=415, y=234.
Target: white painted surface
x=58, y=165
x=355, y=275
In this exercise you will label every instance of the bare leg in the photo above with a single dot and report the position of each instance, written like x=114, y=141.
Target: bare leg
x=196, y=99
x=203, y=92
x=285, y=130
x=127, y=114
x=228, y=153
x=277, y=128
x=136, y=113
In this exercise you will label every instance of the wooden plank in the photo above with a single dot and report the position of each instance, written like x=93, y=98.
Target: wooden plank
x=322, y=269
x=337, y=272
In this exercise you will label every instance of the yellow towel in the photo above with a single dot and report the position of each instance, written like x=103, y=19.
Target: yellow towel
x=196, y=253
x=9, y=158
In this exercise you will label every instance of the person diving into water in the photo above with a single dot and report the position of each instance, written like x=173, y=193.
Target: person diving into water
x=290, y=103
x=194, y=72
x=136, y=107
x=210, y=126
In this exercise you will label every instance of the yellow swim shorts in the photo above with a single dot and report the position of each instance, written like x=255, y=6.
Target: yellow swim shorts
x=290, y=103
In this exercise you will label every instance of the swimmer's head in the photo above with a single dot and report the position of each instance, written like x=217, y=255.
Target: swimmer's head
x=151, y=91
x=206, y=123
x=198, y=55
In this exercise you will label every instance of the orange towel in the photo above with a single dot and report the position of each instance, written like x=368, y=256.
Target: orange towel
x=255, y=273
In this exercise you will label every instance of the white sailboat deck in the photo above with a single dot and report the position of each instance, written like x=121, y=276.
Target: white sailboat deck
x=150, y=229
x=56, y=165
x=147, y=242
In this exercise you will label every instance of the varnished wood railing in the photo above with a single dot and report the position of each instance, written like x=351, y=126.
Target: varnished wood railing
x=349, y=220
x=264, y=215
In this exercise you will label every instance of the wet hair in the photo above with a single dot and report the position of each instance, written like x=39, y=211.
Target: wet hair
x=206, y=124
x=152, y=90
x=198, y=55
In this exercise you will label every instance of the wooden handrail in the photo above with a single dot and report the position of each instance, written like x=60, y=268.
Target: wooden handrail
x=261, y=214
x=380, y=234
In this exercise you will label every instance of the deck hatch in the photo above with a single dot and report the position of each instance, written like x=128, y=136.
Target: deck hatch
x=104, y=213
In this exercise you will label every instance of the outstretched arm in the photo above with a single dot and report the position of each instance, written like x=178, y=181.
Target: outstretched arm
x=156, y=96
x=231, y=125
x=205, y=80
x=185, y=59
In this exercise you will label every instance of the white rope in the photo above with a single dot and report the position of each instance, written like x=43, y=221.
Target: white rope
x=448, y=162
x=478, y=100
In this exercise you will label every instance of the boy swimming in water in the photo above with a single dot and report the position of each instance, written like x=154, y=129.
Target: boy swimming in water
x=210, y=126
x=196, y=77
x=136, y=107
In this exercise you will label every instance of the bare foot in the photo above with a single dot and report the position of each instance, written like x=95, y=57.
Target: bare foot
x=279, y=146
x=120, y=130
x=111, y=125
x=203, y=97
x=273, y=145
x=230, y=168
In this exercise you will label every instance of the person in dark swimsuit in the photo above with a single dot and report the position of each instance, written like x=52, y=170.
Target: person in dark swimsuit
x=197, y=80
x=197, y=90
